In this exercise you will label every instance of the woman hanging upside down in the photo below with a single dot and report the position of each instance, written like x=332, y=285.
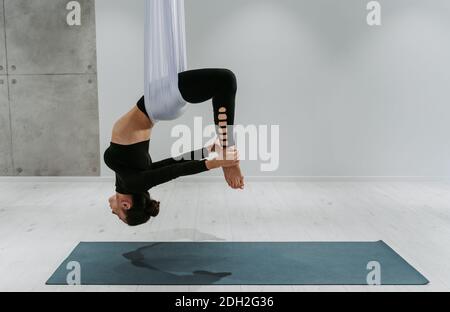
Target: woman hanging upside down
x=129, y=156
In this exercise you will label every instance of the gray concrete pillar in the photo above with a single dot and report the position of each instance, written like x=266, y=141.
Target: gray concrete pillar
x=50, y=55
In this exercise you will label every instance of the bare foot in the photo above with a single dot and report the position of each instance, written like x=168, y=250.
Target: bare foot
x=234, y=177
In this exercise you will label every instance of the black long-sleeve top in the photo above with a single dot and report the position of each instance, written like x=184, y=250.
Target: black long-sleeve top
x=137, y=173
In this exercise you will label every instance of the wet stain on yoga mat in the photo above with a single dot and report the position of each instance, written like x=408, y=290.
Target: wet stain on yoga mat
x=198, y=277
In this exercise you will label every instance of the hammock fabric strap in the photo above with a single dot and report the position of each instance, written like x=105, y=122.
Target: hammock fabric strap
x=165, y=58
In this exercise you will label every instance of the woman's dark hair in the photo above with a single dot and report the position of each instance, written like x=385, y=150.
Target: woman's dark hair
x=143, y=209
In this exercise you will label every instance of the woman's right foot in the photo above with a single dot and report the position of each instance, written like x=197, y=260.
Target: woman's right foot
x=234, y=177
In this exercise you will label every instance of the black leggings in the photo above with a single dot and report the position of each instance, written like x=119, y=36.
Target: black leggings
x=220, y=85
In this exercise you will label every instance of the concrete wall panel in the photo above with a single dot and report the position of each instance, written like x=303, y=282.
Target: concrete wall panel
x=40, y=41
x=5, y=133
x=55, y=125
x=2, y=41
x=52, y=104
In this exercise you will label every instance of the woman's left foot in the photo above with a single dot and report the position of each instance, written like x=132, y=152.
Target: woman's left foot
x=234, y=177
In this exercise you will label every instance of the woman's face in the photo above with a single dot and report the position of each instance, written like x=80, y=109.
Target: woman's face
x=119, y=205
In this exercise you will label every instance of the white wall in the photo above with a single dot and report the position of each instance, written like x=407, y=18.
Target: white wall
x=351, y=100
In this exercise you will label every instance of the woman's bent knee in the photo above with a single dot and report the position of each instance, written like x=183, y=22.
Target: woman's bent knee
x=228, y=80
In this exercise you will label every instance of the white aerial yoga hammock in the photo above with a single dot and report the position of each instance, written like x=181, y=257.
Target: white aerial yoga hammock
x=165, y=58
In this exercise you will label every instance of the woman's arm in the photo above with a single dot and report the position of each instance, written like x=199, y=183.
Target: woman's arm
x=145, y=180
x=194, y=155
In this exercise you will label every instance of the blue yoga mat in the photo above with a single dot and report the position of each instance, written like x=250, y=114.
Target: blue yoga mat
x=236, y=264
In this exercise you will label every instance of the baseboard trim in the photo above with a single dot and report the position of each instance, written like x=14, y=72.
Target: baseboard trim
x=209, y=179
x=57, y=179
x=322, y=179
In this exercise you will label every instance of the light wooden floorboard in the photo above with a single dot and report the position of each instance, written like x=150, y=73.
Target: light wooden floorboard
x=41, y=223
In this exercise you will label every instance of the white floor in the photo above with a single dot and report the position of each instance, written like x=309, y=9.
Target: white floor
x=40, y=223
